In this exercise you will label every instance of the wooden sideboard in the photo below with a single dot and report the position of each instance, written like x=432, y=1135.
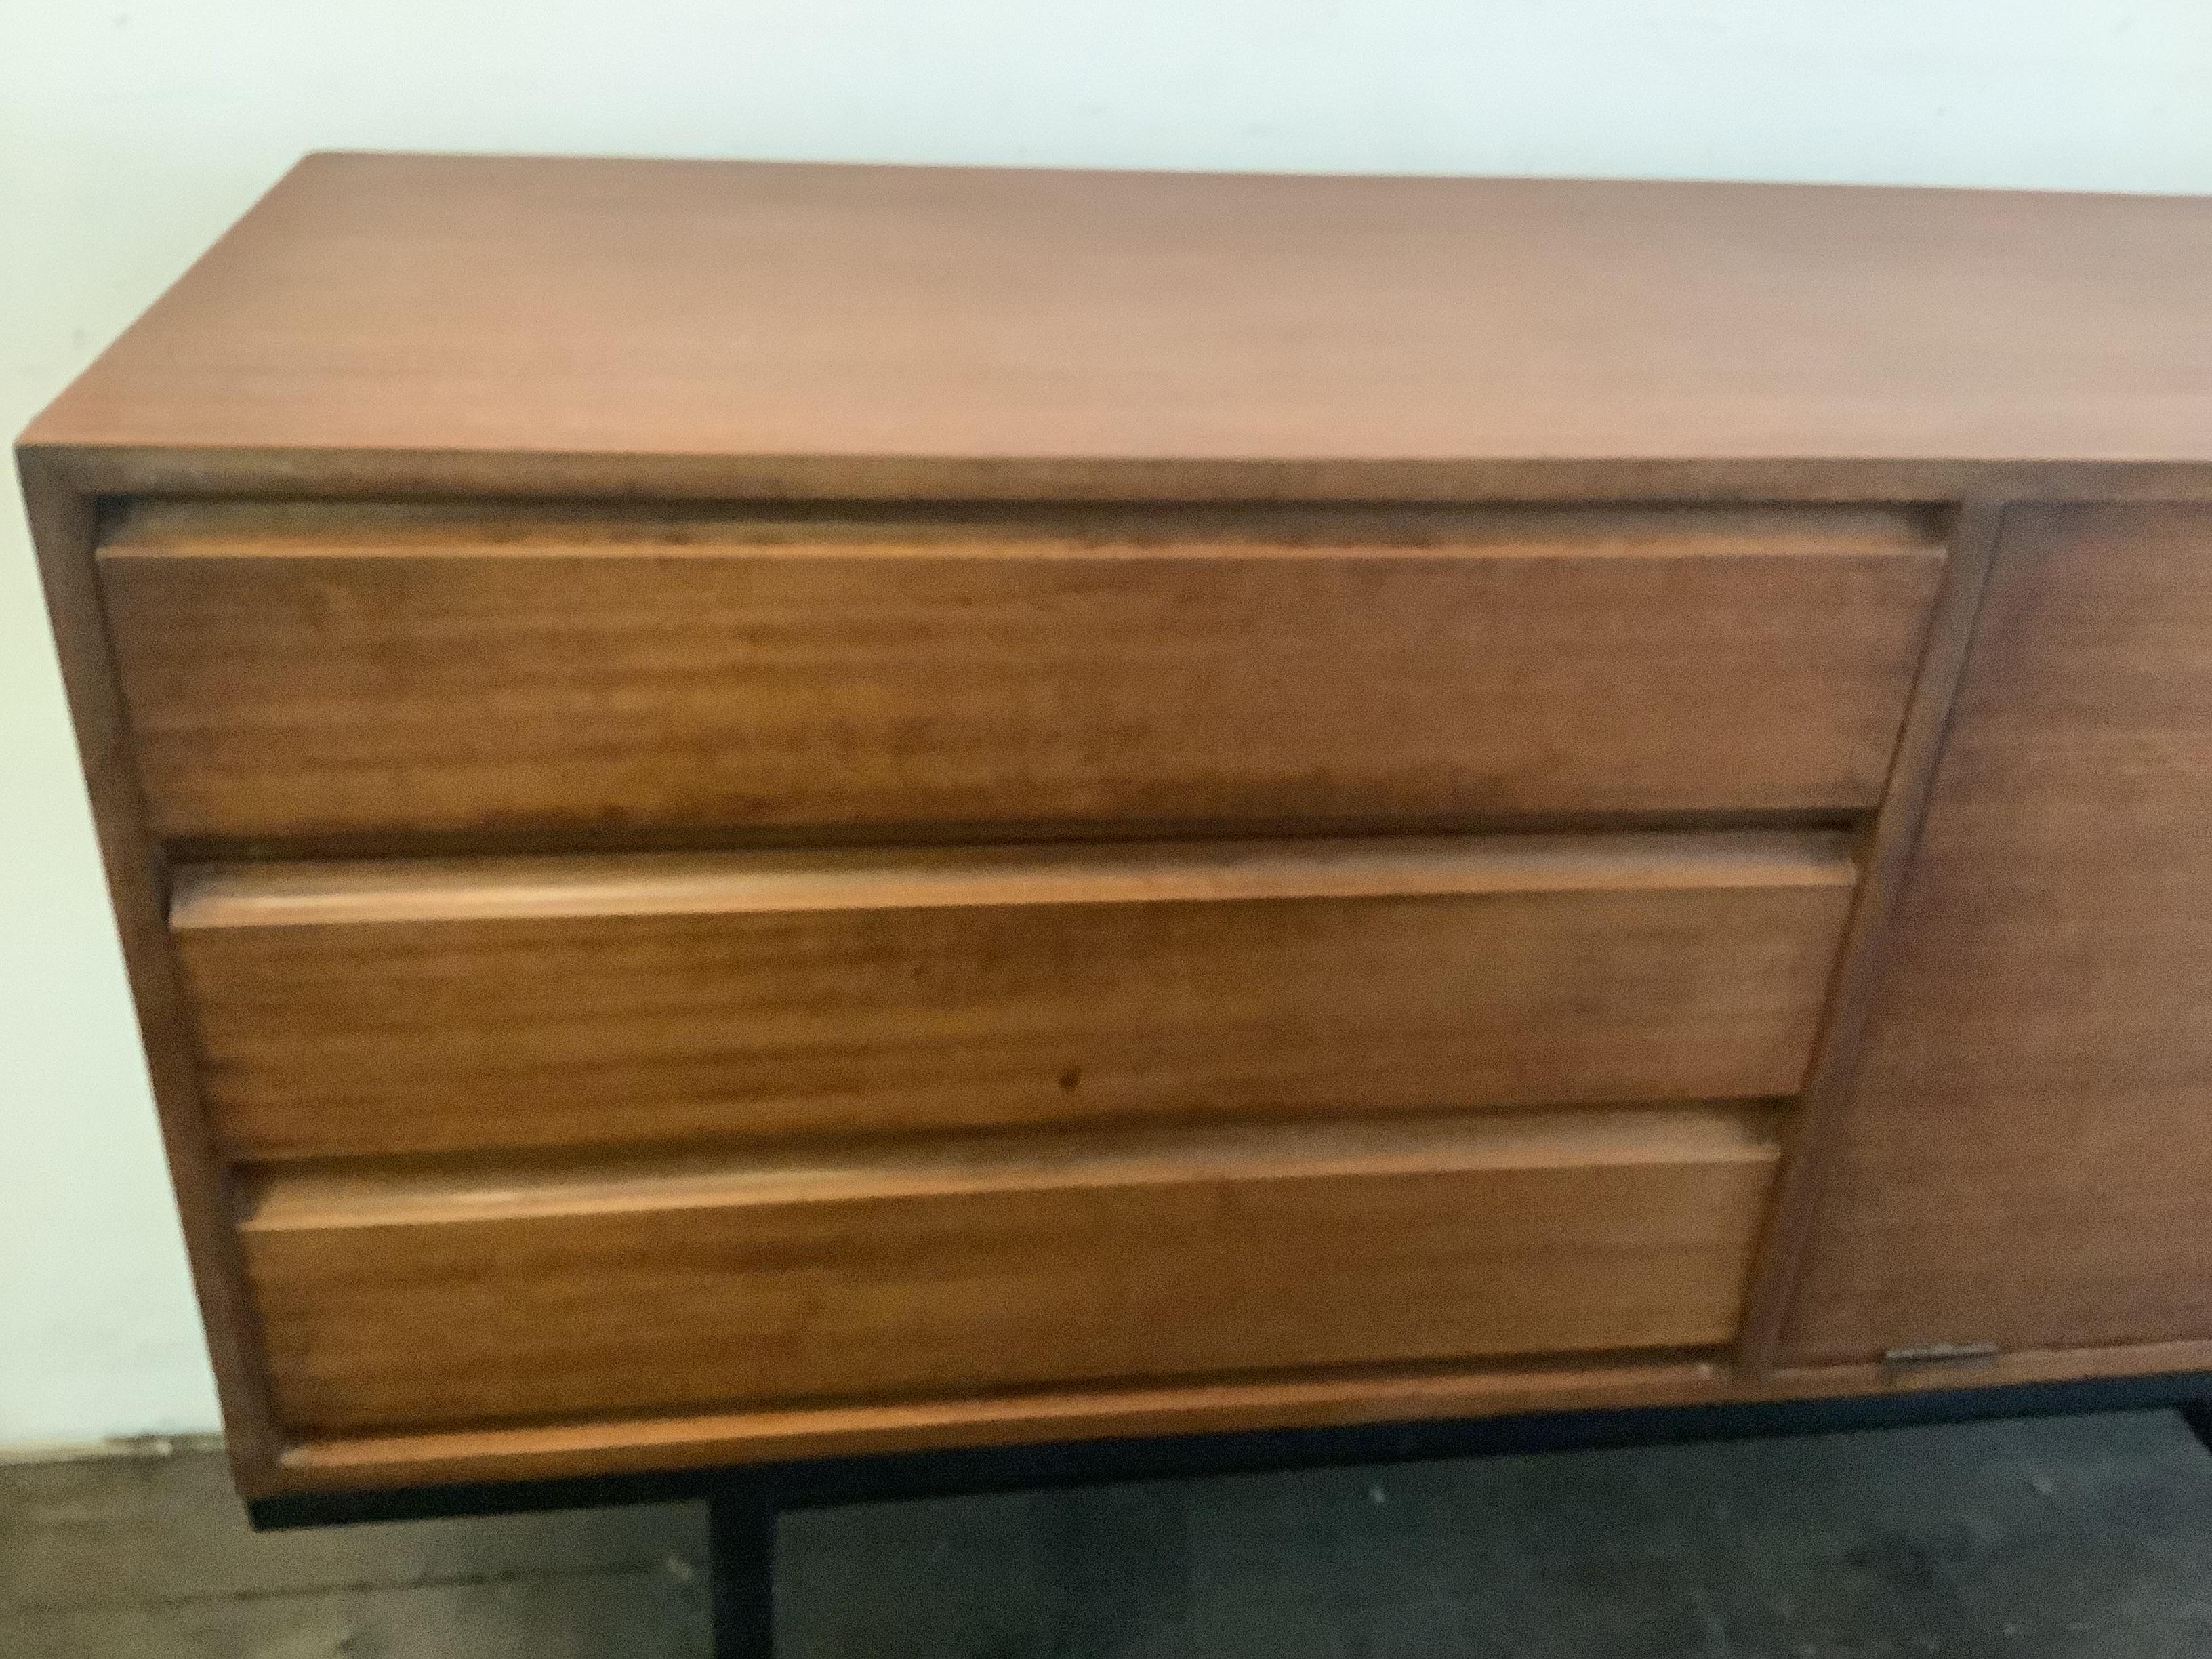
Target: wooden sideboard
x=766, y=811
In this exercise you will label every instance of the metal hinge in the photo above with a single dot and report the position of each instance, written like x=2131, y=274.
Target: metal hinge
x=1942, y=1353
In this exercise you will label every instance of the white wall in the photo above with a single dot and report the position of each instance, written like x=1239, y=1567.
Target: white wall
x=133, y=131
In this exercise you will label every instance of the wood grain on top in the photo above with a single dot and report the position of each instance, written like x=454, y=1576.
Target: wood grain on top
x=704, y=327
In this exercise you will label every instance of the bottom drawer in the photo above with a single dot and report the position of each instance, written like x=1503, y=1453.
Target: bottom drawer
x=395, y=1297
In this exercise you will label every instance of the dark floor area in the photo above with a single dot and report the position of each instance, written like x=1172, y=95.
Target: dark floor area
x=2080, y=1537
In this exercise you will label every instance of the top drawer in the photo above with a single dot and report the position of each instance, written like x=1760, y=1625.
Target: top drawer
x=339, y=672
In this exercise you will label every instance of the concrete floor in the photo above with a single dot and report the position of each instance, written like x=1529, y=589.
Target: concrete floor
x=2085, y=1537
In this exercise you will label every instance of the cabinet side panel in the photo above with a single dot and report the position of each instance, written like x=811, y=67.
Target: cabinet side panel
x=2026, y=1158
x=63, y=526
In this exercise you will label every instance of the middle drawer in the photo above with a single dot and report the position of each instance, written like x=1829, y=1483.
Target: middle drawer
x=493, y=1003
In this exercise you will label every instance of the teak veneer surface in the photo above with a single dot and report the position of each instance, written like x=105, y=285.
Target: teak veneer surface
x=397, y=1007
x=690, y=1283
x=772, y=329
x=332, y=672
x=768, y=810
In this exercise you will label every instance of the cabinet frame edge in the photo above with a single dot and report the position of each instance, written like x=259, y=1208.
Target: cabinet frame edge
x=65, y=520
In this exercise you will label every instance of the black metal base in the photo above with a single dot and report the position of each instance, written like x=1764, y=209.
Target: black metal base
x=743, y=1503
x=2199, y=1418
x=741, y=1570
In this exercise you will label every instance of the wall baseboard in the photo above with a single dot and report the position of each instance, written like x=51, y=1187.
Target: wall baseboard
x=124, y=1445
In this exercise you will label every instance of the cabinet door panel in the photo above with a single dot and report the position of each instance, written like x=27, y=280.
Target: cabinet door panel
x=2028, y=1159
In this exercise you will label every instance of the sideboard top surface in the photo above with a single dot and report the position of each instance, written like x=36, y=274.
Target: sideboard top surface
x=485, y=324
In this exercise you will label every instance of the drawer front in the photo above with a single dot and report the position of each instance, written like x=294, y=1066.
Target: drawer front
x=342, y=673
x=389, y=1300
x=438, y=1006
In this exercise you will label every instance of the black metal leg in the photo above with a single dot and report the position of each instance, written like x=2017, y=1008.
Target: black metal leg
x=741, y=1568
x=2199, y=1418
